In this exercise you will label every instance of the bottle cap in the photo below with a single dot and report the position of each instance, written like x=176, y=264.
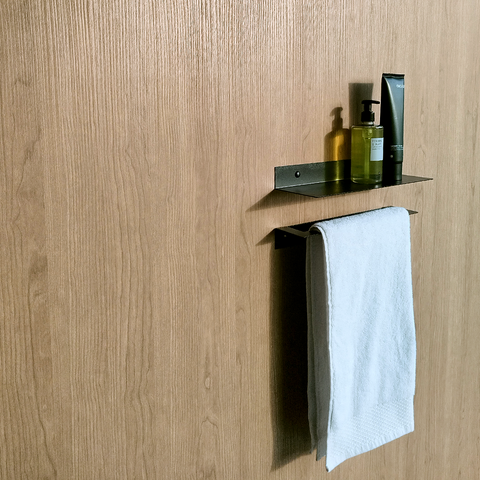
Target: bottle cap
x=368, y=115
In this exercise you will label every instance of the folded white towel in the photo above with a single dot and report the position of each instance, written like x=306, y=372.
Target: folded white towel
x=361, y=341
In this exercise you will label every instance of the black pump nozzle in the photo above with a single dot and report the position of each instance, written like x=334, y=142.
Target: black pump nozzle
x=368, y=115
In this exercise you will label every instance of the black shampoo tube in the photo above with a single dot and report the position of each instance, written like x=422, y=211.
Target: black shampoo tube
x=391, y=118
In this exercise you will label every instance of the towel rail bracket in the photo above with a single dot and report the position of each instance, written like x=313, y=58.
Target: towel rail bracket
x=294, y=235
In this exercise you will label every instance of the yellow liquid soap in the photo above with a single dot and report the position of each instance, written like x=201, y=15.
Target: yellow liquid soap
x=367, y=154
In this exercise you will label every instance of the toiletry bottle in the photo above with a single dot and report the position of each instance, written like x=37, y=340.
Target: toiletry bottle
x=391, y=118
x=367, y=148
x=337, y=147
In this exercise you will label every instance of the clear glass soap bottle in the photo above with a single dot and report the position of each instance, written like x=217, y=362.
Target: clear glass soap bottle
x=367, y=148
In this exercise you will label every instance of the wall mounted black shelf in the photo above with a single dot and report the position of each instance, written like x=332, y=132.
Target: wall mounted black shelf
x=324, y=179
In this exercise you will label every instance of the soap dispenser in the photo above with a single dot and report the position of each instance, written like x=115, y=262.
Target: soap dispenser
x=367, y=148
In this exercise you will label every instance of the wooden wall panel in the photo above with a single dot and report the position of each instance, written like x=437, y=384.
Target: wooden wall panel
x=148, y=327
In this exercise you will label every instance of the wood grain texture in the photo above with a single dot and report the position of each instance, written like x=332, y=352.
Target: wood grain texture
x=148, y=327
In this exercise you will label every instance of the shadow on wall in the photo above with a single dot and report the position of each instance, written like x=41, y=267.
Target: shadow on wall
x=289, y=360
x=289, y=356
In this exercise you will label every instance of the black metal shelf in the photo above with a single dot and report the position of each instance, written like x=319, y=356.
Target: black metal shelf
x=324, y=179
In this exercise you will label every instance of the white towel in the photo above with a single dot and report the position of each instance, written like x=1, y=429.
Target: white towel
x=361, y=333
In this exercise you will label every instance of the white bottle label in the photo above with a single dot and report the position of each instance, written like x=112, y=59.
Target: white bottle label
x=376, y=151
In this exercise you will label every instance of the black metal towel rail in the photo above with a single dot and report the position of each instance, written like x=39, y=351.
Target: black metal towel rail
x=296, y=234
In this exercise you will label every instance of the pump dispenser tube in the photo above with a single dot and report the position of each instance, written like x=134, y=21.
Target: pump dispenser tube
x=391, y=118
